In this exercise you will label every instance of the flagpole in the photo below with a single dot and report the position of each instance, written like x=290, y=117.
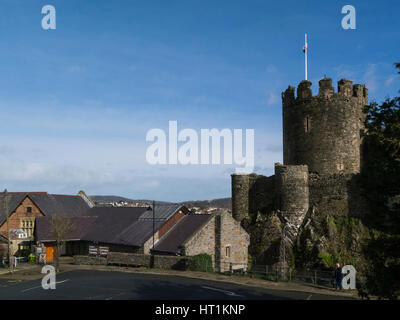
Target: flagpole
x=305, y=44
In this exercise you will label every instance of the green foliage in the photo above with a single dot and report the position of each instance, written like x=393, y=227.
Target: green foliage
x=328, y=259
x=382, y=277
x=32, y=258
x=201, y=262
x=380, y=179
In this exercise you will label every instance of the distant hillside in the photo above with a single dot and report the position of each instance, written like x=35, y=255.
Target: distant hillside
x=107, y=199
x=219, y=203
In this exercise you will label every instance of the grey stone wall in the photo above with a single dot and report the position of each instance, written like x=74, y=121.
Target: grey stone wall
x=171, y=262
x=135, y=260
x=292, y=193
x=322, y=137
x=203, y=241
x=232, y=235
x=240, y=196
x=251, y=193
x=221, y=231
x=130, y=259
x=323, y=131
x=89, y=260
x=337, y=193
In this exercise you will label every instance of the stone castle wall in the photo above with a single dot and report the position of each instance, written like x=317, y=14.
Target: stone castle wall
x=317, y=185
x=252, y=193
x=323, y=131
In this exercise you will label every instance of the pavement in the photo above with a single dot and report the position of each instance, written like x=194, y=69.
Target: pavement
x=108, y=283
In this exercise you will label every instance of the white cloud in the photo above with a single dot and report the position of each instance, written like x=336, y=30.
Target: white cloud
x=271, y=68
x=390, y=80
x=370, y=77
x=272, y=98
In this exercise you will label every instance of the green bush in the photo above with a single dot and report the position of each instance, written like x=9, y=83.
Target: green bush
x=329, y=260
x=201, y=262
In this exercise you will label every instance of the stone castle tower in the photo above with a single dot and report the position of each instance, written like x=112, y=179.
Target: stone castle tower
x=323, y=131
x=322, y=137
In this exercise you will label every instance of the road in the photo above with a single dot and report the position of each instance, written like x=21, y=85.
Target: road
x=105, y=285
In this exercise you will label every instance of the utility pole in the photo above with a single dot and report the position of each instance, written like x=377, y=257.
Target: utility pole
x=8, y=228
x=154, y=209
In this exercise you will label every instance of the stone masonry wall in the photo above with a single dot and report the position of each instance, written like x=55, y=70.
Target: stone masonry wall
x=202, y=242
x=323, y=131
x=136, y=260
x=221, y=231
x=251, y=193
x=237, y=239
x=88, y=260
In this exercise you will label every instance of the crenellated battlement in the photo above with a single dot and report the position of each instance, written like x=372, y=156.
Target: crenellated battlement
x=323, y=130
x=345, y=89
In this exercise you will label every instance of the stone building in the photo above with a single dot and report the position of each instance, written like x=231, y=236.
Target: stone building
x=133, y=230
x=217, y=234
x=322, y=139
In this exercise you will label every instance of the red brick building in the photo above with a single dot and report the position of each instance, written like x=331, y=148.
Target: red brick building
x=24, y=207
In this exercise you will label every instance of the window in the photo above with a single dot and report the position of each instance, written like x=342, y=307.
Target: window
x=29, y=209
x=228, y=251
x=340, y=166
x=307, y=124
x=27, y=225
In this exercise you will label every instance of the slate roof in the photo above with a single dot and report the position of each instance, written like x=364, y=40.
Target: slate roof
x=79, y=226
x=162, y=213
x=182, y=231
x=49, y=204
x=114, y=225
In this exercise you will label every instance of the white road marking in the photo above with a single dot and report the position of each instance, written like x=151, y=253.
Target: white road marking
x=229, y=293
x=308, y=298
x=114, y=296
x=41, y=286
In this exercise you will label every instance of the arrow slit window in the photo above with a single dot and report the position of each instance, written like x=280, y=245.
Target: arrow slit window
x=307, y=124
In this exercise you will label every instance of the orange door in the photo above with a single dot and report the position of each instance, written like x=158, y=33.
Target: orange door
x=49, y=253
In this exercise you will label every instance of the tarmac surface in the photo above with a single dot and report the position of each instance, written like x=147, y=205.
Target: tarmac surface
x=113, y=285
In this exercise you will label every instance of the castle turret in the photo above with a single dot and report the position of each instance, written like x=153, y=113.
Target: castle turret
x=292, y=193
x=323, y=131
x=240, y=196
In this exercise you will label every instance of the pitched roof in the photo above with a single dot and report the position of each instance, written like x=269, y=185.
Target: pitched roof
x=182, y=231
x=162, y=213
x=114, y=225
x=79, y=226
x=49, y=204
x=111, y=222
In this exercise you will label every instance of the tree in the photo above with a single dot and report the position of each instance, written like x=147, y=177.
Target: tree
x=380, y=178
x=60, y=229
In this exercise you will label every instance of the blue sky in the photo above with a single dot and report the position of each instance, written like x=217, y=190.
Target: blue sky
x=76, y=102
